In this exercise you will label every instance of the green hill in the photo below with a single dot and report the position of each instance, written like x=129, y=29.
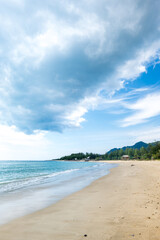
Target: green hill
x=139, y=150
x=137, y=145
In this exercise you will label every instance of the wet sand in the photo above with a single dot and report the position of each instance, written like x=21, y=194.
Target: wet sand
x=123, y=205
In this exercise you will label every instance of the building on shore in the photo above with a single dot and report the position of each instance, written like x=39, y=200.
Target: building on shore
x=125, y=157
x=87, y=159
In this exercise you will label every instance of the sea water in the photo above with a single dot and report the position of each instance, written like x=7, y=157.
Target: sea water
x=27, y=186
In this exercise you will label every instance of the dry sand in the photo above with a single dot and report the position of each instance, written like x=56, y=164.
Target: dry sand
x=123, y=205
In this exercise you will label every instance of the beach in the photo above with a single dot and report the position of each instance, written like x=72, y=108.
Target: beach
x=124, y=204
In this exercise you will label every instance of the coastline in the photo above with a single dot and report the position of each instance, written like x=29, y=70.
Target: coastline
x=121, y=205
x=43, y=188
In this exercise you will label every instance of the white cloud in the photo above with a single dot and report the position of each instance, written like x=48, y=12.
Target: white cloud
x=16, y=145
x=70, y=57
x=134, y=67
x=75, y=114
x=11, y=135
x=75, y=117
x=144, y=109
x=57, y=35
x=147, y=135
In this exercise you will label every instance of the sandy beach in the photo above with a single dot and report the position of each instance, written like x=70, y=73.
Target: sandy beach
x=122, y=205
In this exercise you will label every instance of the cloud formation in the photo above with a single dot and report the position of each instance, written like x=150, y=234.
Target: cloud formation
x=56, y=54
x=147, y=135
x=145, y=108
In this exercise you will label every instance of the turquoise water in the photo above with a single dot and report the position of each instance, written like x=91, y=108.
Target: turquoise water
x=27, y=186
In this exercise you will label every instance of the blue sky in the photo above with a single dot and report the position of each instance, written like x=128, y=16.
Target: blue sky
x=78, y=76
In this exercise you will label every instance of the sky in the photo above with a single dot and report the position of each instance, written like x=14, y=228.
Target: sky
x=77, y=76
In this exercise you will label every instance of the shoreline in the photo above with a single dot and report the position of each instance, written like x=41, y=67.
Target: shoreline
x=53, y=188
x=121, y=205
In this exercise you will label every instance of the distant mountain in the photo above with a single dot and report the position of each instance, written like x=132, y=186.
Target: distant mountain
x=150, y=151
x=137, y=145
x=140, y=144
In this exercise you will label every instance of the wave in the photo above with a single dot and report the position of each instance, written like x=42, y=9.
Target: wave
x=34, y=193
x=14, y=184
x=25, y=181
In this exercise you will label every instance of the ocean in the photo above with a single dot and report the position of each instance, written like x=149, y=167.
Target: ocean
x=28, y=186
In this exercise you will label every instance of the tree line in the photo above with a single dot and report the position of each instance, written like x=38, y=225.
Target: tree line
x=80, y=156
x=152, y=151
